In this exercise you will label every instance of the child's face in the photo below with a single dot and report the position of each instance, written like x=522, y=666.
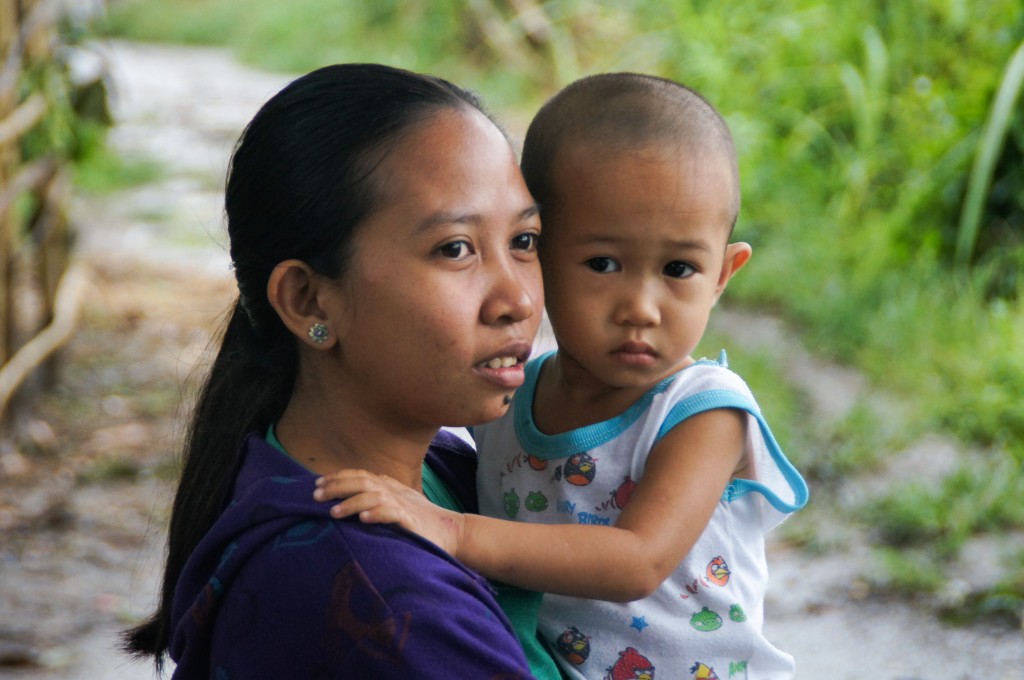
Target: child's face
x=634, y=257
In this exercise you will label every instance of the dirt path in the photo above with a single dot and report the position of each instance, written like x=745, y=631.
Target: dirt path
x=85, y=490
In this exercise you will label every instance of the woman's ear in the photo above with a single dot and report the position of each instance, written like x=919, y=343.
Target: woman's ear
x=736, y=255
x=294, y=291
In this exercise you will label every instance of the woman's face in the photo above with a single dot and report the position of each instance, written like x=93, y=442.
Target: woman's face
x=443, y=294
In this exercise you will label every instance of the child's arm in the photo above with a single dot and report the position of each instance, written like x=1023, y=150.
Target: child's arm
x=685, y=476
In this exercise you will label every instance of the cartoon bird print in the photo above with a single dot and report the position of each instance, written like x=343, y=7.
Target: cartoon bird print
x=632, y=665
x=573, y=645
x=706, y=621
x=718, y=571
x=536, y=463
x=536, y=502
x=621, y=495
x=702, y=672
x=580, y=469
x=511, y=501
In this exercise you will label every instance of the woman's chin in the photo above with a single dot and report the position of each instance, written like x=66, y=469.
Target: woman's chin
x=492, y=410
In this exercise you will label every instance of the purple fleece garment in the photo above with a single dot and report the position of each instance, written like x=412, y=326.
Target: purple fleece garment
x=279, y=589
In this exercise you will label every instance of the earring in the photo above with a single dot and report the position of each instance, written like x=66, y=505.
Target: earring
x=318, y=333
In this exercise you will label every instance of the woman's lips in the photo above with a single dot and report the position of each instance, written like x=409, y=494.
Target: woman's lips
x=506, y=368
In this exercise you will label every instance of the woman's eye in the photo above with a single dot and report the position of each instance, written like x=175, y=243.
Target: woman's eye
x=679, y=270
x=603, y=265
x=526, y=241
x=456, y=250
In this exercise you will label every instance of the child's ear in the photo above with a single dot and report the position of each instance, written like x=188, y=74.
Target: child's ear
x=294, y=291
x=736, y=256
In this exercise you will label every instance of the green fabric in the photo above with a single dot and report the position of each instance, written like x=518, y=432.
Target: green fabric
x=522, y=607
x=437, y=492
x=275, y=442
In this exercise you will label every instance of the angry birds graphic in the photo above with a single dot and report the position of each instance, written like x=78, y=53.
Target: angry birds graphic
x=706, y=621
x=702, y=672
x=511, y=504
x=718, y=571
x=737, y=614
x=573, y=645
x=621, y=495
x=536, y=502
x=536, y=463
x=579, y=470
x=632, y=665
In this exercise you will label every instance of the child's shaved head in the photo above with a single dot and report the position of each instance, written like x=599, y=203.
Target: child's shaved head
x=616, y=112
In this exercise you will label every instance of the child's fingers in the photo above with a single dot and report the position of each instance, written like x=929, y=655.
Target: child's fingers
x=383, y=514
x=357, y=505
x=370, y=509
x=343, y=474
x=337, y=486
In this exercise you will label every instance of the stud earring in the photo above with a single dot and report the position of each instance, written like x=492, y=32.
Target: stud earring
x=318, y=333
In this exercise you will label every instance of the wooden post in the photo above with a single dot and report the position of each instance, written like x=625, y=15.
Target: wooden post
x=37, y=245
x=50, y=233
x=9, y=25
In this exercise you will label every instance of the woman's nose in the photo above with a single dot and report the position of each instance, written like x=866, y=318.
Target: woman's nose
x=514, y=293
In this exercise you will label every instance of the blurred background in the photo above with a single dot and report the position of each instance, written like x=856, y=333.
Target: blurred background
x=880, y=322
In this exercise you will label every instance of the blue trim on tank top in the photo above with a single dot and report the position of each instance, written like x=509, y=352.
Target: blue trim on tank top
x=565, y=444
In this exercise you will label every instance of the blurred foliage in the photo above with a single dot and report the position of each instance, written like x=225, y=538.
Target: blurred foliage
x=76, y=103
x=111, y=469
x=859, y=127
x=77, y=118
x=972, y=500
x=101, y=170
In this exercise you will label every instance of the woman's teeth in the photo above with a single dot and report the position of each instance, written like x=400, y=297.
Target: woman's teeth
x=501, y=362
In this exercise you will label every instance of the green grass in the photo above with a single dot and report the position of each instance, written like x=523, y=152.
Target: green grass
x=111, y=469
x=102, y=171
x=882, y=151
x=980, y=497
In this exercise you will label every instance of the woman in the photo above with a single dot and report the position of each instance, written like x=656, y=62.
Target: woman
x=384, y=245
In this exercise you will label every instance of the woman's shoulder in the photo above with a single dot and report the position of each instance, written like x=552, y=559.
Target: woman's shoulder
x=395, y=565
x=382, y=581
x=363, y=596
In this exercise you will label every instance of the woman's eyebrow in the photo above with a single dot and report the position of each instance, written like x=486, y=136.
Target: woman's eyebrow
x=445, y=217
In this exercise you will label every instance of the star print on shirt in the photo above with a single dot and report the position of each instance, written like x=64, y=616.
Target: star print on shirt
x=639, y=623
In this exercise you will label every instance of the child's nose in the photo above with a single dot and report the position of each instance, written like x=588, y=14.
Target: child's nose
x=637, y=306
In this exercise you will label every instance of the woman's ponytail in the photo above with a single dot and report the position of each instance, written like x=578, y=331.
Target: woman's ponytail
x=246, y=390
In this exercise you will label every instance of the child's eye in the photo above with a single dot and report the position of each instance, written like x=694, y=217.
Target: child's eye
x=679, y=270
x=603, y=265
x=526, y=241
x=456, y=250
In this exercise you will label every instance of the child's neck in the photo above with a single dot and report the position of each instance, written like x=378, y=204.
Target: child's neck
x=569, y=397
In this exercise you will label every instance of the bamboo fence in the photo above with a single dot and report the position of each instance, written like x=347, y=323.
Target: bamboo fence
x=38, y=286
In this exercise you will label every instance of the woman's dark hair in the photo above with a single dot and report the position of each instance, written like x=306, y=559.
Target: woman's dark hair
x=300, y=182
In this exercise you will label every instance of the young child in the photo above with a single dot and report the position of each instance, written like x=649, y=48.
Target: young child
x=641, y=482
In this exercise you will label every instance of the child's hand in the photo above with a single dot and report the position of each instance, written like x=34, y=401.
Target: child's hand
x=378, y=499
